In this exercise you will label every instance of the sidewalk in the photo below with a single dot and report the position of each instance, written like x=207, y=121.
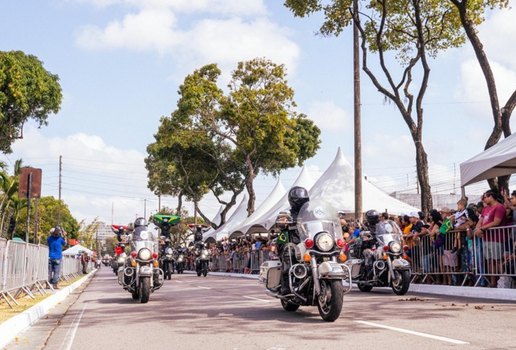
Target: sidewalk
x=10, y=328
x=468, y=292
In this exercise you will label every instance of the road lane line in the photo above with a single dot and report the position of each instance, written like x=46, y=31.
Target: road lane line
x=253, y=298
x=202, y=287
x=70, y=335
x=425, y=335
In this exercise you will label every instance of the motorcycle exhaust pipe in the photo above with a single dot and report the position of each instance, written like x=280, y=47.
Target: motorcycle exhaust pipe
x=379, y=265
x=128, y=271
x=299, y=271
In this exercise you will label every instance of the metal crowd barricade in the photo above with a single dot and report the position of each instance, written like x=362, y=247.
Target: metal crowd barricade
x=24, y=269
x=459, y=257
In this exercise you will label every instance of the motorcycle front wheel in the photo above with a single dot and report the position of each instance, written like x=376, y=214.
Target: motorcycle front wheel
x=330, y=301
x=288, y=306
x=364, y=287
x=205, y=273
x=135, y=295
x=401, y=284
x=144, y=290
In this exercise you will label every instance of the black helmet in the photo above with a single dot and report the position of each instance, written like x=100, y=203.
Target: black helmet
x=372, y=217
x=140, y=222
x=198, y=234
x=297, y=196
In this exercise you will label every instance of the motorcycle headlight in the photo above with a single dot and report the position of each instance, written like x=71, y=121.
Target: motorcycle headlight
x=180, y=259
x=325, y=242
x=144, y=254
x=395, y=247
x=120, y=260
x=204, y=254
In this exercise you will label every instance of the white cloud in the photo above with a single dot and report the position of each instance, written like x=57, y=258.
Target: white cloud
x=223, y=7
x=330, y=117
x=96, y=176
x=225, y=38
x=232, y=40
x=147, y=30
x=473, y=86
x=497, y=35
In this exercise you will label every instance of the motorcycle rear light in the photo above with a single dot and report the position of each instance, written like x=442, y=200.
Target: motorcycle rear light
x=307, y=257
x=155, y=263
x=154, y=255
x=340, y=243
x=343, y=257
x=133, y=263
x=309, y=243
x=405, y=248
x=385, y=248
x=133, y=254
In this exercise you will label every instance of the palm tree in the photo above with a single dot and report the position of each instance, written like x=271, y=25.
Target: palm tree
x=9, y=201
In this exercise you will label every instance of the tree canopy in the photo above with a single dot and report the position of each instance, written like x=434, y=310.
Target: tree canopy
x=216, y=141
x=412, y=31
x=27, y=91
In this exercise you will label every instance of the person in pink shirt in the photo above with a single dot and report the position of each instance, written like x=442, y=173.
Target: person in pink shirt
x=493, y=215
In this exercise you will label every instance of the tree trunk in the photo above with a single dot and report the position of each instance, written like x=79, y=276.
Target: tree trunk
x=179, y=203
x=249, y=186
x=500, y=123
x=422, y=176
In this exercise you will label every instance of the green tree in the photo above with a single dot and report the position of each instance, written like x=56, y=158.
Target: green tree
x=259, y=121
x=413, y=31
x=27, y=91
x=10, y=204
x=471, y=14
x=183, y=161
x=46, y=213
x=216, y=142
x=87, y=233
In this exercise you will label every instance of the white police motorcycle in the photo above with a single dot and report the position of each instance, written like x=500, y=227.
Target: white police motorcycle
x=141, y=275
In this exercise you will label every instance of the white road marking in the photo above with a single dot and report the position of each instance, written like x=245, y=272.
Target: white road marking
x=253, y=298
x=70, y=335
x=178, y=281
x=203, y=287
x=426, y=335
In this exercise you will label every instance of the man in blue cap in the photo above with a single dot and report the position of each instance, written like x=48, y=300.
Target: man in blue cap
x=55, y=254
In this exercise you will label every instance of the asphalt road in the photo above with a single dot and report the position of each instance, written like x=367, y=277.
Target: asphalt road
x=191, y=312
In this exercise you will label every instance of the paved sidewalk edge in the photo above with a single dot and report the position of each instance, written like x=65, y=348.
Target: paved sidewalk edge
x=10, y=328
x=468, y=292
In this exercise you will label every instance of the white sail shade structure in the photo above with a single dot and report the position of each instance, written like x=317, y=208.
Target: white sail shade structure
x=497, y=160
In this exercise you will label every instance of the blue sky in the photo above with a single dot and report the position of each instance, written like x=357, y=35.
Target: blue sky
x=120, y=63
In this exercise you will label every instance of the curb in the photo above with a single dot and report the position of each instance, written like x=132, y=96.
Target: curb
x=10, y=328
x=466, y=292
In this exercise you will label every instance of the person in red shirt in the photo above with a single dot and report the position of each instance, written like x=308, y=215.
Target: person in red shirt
x=493, y=215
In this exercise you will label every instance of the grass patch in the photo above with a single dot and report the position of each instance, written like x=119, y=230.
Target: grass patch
x=26, y=302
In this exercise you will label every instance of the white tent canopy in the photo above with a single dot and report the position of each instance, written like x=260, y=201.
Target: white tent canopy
x=77, y=249
x=268, y=218
x=238, y=216
x=216, y=220
x=497, y=160
x=276, y=194
x=337, y=185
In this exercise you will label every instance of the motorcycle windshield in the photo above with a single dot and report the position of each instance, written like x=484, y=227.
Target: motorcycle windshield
x=137, y=245
x=388, y=231
x=318, y=216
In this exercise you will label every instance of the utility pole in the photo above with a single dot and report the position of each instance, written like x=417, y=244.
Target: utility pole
x=357, y=120
x=60, y=172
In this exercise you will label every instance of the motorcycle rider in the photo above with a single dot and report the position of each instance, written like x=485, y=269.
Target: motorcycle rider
x=369, y=240
x=297, y=196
